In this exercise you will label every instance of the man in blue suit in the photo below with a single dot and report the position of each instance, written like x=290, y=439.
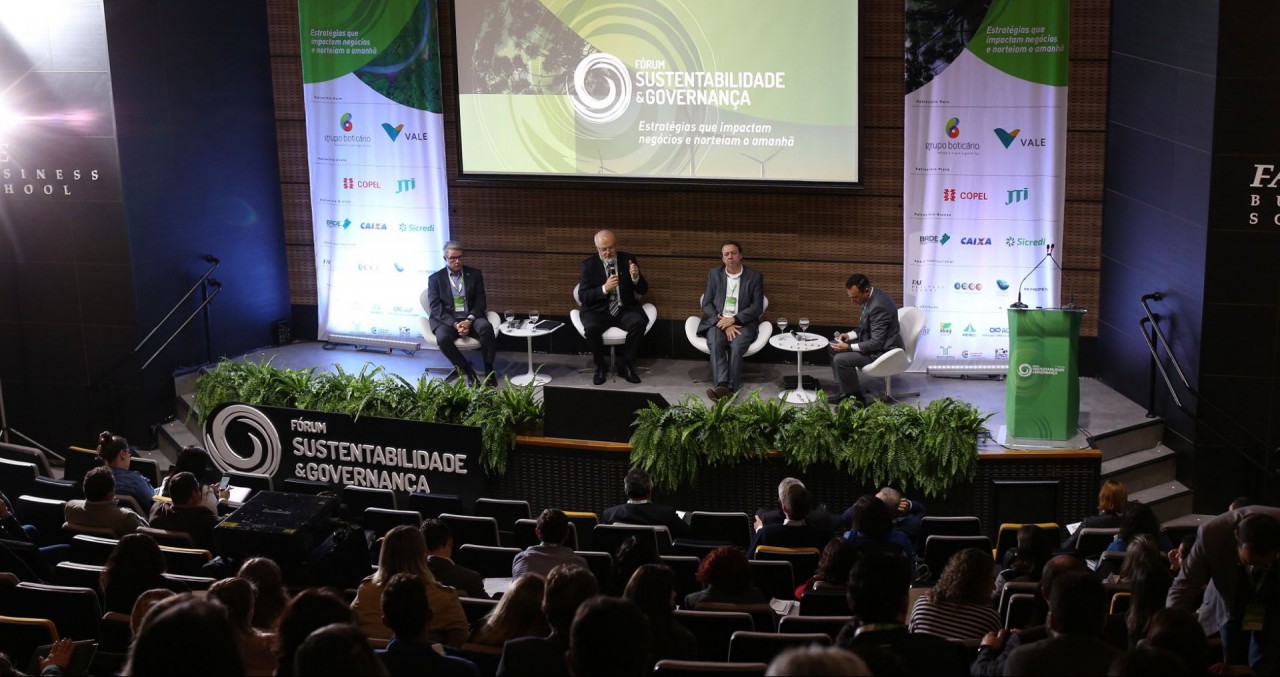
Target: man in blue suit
x=878, y=333
x=731, y=308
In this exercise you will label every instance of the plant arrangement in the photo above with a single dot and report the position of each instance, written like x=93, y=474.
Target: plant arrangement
x=500, y=413
x=929, y=448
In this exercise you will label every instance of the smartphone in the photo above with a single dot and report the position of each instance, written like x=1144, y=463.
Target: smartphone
x=226, y=482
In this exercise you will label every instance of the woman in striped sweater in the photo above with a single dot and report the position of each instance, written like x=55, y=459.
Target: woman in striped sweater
x=959, y=606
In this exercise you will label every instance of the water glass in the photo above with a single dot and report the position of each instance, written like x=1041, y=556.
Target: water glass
x=533, y=317
x=782, y=324
x=509, y=316
x=804, y=324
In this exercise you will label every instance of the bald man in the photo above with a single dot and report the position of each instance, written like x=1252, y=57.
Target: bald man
x=610, y=287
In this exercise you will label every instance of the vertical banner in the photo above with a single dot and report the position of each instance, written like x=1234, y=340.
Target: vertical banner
x=984, y=167
x=375, y=147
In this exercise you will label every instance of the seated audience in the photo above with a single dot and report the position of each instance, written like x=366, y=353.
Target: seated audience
x=568, y=586
x=411, y=653
x=195, y=460
x=19, y=555
x=817, y=518
x=552, y=530
x=135, y=566
x=190, y=637
x=995, y=647
x=794, y=532
x=878, y=587
x=609, y=637
x=640, y=508
x=1138, y=520
x=837, y=558
x=817, y=660
x=1077, y=611
x=114, y=452
x=147, y=601
x=236, y=596
x=1142, y=554
x=1145, y=661
x=337, y=650
x=959, y=605
x=98, y=508
x=1179, y=631
x=405, y=552
x=1112, y=498
x=308, y=611
x=440, y=561
x=653, y=588
x=185, y=512
x=269, y=599
x=873, y=527
x=908, y=515
x=518, y=614
x=726, y=575
x=632, y=554
x=1148, y=588
x=1024, y=562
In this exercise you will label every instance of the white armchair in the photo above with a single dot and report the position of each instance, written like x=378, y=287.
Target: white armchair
x=700, y=342
x=613, y=336
x=897, y=361
x=464, y=343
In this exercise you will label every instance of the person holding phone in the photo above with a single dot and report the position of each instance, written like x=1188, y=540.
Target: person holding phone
x=878, y=332
x=610, y=287
x=195, y=460
x=185, y=513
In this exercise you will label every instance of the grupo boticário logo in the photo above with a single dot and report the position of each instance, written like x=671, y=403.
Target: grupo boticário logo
x=953, y=128
x=613, y=103
x=345, y=122
x=242, y=439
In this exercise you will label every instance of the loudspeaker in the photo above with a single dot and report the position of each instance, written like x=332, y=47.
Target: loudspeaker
x=593, y=413
x=282, y=526
x=281, y=333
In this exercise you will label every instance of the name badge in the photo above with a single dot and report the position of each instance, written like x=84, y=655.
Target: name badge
x=731, y=301
x=1255, y=615
x=459, y=304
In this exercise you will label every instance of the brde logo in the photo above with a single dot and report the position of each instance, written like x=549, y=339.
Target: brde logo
x=610, y=104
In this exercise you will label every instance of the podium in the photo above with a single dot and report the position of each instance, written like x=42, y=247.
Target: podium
x=1042, y=392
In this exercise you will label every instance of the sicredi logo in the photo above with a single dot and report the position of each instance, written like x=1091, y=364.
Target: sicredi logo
x=1024, y=242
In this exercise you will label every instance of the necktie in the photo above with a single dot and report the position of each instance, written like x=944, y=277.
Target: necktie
x=615, y=300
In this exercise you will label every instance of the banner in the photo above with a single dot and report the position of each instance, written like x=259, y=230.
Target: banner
x=984, y=167
x=375, y=146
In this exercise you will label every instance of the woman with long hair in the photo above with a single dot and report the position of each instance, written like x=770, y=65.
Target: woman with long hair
x=310, y=610
x=838, y=557
x=726, y=573
x=518, y=614
x=404, y=551
x=134, y=566
x=269, y=599
x=653, y=588
x=959, y=606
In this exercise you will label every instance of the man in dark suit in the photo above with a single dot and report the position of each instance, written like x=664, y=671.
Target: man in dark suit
x=568, y=586
x=406, y=611
x=818, y=517
x=731, y=308
x=908, y=514
x=794, y=532
x=610, y=287
x=640, y=508
x=440, y=561
x=878, y=332
x=456, y=306
x=1077, y=610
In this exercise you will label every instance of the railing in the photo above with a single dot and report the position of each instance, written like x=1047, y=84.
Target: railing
x=1156, y=340
x=202, y=285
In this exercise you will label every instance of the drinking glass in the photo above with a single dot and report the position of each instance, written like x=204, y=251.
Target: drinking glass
x=835, y=337
x=533, y=317
x=804, y=324
x=509, y=316
x=782, y=324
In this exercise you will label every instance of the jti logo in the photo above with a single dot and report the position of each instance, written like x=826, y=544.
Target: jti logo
x=403, y=185
x=1018, y=195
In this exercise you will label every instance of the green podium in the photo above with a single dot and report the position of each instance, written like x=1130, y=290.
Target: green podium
x=1042, y=392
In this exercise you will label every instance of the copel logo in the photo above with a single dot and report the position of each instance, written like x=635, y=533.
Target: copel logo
x=351, y=184
x=951, y=195
x=345, y=122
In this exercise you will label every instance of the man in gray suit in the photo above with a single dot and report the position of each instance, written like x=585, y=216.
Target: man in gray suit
x=878, y=332
x=731, y=308
x=456, y=305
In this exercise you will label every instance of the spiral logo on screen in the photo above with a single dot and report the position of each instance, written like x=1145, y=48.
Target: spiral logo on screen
x=242, y=439
x=612, y=105
x=345, y=121
x=953, y=127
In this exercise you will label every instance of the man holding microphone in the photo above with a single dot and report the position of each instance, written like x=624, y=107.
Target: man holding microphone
x=610, y=299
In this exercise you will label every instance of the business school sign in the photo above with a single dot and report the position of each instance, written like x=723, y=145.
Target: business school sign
x=377, y=453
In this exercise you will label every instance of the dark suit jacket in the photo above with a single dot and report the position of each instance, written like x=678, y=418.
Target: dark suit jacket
x=648, y=514
x=440, y=296
x=916, y=653
x=750, y=298
x=535, y=656
x=818, y=519
x=783, y=536
x=419, y=658
x=878, y=330
x=1077, y=654
x=910, y=524
x=592, y=277
x=457, y=576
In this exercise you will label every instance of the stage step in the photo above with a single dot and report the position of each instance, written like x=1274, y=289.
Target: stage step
x=175, y=435
x=1188, y=521
x=1142, y=469
x=1170, y=501
x=1134, y=438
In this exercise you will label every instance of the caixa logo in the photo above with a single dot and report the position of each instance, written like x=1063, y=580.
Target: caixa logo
x=981, y=241
x=368, y=225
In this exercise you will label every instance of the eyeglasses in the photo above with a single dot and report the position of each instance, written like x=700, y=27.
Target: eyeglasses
x=453, y=258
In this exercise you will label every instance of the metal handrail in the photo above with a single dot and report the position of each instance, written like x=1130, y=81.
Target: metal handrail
x=212, y=260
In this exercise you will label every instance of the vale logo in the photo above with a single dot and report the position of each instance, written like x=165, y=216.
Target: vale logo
x=1005, y=137
x=394, y=132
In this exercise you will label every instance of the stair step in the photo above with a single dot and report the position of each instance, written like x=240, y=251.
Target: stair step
x=1193, y=520
x=1135, y=438
x=1142, y=469
x=175, y=435
x=1169, y=501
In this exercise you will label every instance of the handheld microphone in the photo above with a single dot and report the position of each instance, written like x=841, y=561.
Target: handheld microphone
x=1048, y=253
x=611, y=265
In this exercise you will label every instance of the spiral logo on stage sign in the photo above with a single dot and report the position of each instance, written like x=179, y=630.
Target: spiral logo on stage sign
x=612, y=105
x=242, y=439
x=1024, y=370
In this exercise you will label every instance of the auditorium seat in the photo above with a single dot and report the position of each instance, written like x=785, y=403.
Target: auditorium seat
x=725, y=528
x=714, y=629
x=609, y=537
x=774, y=578
x=931, y=525
x=525, y=534
x=176, y=539
x=1020, y=607
x=475, y=530
x=87, y=549
x=185, y=561
x=356, y=499
x=504, y=512
x=25, y=454
x=431, y=506
x=689, y=548
x=75, y=612
x=19, y=637
x=148, y=468
x=45, y=514
x=601, y=564
x=115, y=633
x=762, y=647
x=487, y=560
x=898, y=360
x=583, y=523
x=669, y=667
x=195, y=583
x=1007, y=538
x=763, y=617
x=254, y=483
x=382, y=520
x=613, y=336
x=294, y=485
x=59, y=490
x=1109, y=562
x=1120, y=603
x=77, y=575
x=1012, y=588
x=939, y=549
x=16, y=477
x=77, y=462
x=824, y=603
x=804, y=561
x=1093, y=541
x=827, y=625
x=686, y=568
x=477, y=608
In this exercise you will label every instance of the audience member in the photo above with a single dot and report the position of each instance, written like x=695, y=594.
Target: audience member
x=1077, y=610
x=1112, y=498
x=134, y=566
x=640, y=508
x=837, y=558
x=794, y=532
x=114, y=452
x=98, y=508
x=236, y=596
x=1142, y=554
x=411, y=653
x=195, y=460
x=609, y=637
x=568, y=586
x=632, y=554
x=817, y=518
x=908, y=515
x=653, y=588
x=725, y=574
x=440, y=561
x=185, y=512
x=817, y=661
x=145, y=602
x=1147, y=662
x=1024, y=562
x=995, y=647
x=337, y=650
x=1178, y=631
x=269, y=599
x=1148, y=588
x=518, y=614
x=1139, y=519
x=873, y=527
x=878, y=586
x=959, y=605
x=308, y=611
x=405, y=552
x=552, y=530
x=19, y=554
x=191, y=637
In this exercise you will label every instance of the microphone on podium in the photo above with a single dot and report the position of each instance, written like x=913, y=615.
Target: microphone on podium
x=1048, y=253
x=1071, y=288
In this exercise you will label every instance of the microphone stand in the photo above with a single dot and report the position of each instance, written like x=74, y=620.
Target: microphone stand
x=1071, y=294
x=1048, y=253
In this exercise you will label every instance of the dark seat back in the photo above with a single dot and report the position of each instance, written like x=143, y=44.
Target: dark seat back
x=45, y=514
x=382, y=520
x=487, y=560
x=726, y=528
x=714, y=630
x=76, y=612
x=763, y=647
x=24, y=454
x=939, y=549
x=16, y=477
x=774, y=578
x=474, y=530
x=431, y=506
